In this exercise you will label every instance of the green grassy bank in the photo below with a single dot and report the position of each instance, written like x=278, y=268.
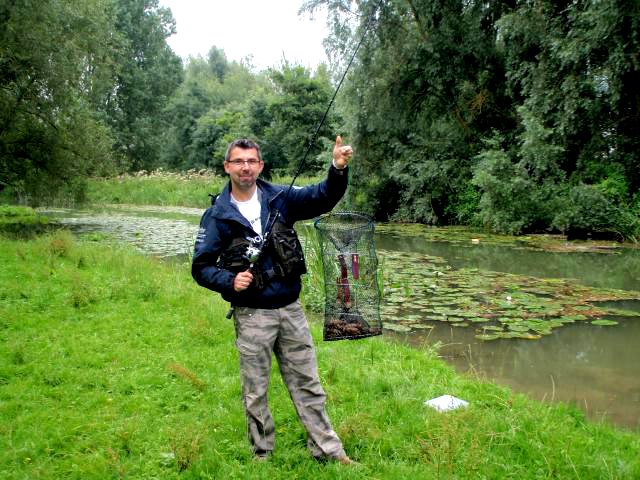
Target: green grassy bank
x=115, y=365
x=188, y=189
x=22, y=222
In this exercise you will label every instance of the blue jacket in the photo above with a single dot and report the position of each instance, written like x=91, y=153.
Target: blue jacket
x=222, y=222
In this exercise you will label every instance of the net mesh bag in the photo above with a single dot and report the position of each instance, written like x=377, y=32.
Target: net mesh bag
x=352, y=297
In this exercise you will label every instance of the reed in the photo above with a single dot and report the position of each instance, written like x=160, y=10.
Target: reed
x=161, y=187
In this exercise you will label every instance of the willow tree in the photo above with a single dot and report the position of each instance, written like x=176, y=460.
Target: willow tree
x=52, y=56
x=427, y=86
x=520, y=115
x=572, y=70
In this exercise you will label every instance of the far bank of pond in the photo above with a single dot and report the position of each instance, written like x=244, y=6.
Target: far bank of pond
x=501, y=308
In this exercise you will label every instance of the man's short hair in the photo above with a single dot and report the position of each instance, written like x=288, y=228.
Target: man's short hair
x=243, y=143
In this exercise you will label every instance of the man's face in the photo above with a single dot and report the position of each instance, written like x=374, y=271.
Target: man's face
x=243, y=168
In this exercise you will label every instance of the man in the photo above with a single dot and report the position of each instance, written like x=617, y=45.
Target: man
x=264, y=292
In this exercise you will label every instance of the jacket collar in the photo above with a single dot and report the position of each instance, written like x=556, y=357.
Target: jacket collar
x=223, y=209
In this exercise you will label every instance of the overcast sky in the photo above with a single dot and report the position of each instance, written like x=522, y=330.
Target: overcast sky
x=265, y=29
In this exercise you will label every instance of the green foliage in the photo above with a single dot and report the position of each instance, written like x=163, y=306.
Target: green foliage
x=12, y=211
x=567, y=70
x=91, y=87
x=519, y=194
x=506, y=199
x=295, y=111
x=463, y=207
x=586, y=208
x=21, y=222
x=280, y=110
x=156, y=188
x=436, y=78
x=209, y=110
x=53, y=57
x=312, y=294
x=83, y=83
x=147, y=75
x=425, y=89
x=189, y=189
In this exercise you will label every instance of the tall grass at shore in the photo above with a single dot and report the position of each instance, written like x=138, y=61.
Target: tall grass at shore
x=160, y=187
x=115, y=365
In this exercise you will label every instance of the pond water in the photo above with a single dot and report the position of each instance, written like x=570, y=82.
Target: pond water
x=450, y=285
x=615, y=269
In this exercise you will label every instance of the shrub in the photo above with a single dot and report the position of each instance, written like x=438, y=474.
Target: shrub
x=586, y=209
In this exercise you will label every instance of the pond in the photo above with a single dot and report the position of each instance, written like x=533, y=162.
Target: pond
x=551, y=324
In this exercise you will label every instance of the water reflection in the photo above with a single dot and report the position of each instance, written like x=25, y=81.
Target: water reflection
x=597, y=368
x=620, y=270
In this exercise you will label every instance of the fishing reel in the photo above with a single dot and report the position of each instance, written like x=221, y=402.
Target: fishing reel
x=251, y=254
x=254, y=250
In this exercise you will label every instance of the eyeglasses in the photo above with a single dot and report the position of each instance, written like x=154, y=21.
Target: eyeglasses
x=252, y=162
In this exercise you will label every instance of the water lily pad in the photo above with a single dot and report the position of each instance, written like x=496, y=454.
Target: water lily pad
x=479, y=319
x=492, y=336
x=421, y=326
x=396, y=327
x=542, y=331
x=526, y=336
x=493, y=328
x=455, y=319
x=604, y=323
x=572, y=318
x=516, y=306
x=516, y=327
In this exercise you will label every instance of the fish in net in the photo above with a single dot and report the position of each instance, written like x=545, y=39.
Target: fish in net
x=352, y=296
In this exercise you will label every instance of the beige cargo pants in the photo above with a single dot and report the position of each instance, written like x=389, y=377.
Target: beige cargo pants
x=285, y=332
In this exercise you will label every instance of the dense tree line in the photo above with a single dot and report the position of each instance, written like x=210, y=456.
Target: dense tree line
x=219, y=101
x=90, y=87
x=523, y=116
x=83, y=85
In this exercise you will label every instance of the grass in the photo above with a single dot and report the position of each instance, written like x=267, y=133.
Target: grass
x=115, y=365
x=190, y=189
x=21, y=221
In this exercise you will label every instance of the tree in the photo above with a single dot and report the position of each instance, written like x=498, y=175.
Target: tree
x=218, y=63
x=54, y=57
x=207, y=109
x=571, y=67
x=502, y=112
x=148, y=73
x=295, y=110
x=428, y=84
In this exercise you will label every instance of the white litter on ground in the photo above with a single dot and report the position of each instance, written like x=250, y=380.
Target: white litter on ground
x=445, y=403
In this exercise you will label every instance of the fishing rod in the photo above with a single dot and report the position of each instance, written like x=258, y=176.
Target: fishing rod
x=313, y=138
x=254, y=251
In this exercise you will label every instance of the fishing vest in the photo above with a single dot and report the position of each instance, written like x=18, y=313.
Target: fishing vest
x=282, y=246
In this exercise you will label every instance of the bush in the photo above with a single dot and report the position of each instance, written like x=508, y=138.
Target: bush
x=512, y=202
x=464, y=206
x=587, y=211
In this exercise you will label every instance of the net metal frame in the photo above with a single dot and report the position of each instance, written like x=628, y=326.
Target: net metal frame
x=350, y=269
